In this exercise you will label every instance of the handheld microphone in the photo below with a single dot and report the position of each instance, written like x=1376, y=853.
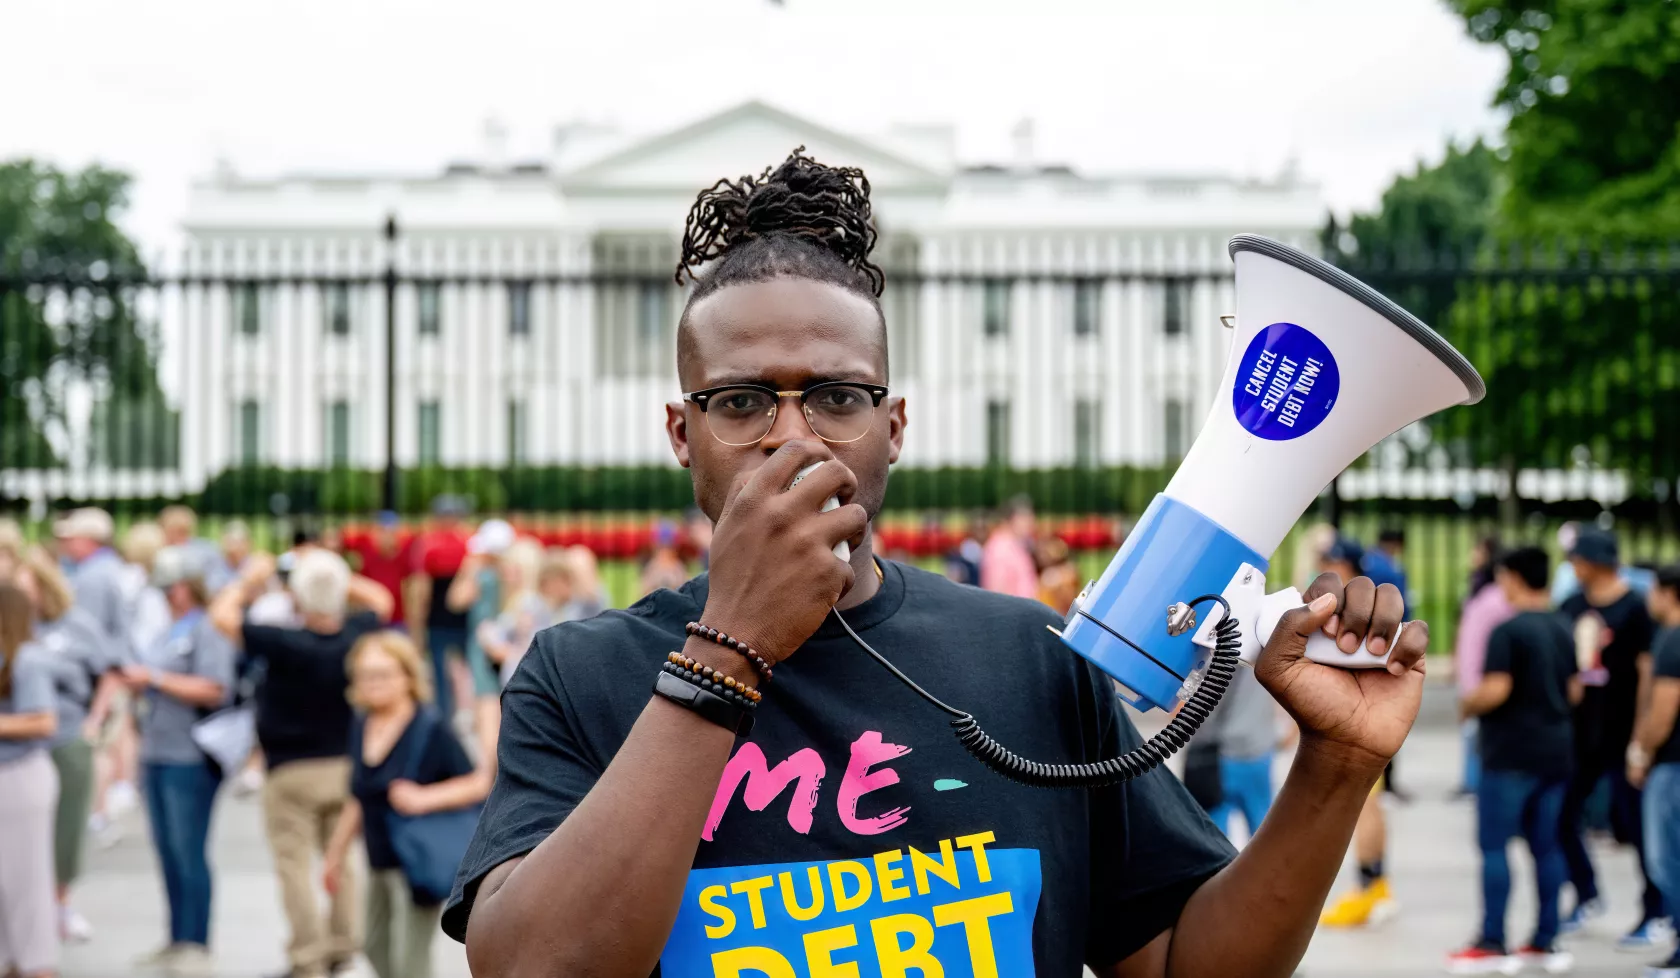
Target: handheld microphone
x=843, y=550
x=1321, y=368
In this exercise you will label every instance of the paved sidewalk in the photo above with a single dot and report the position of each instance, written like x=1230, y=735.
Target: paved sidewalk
x=1432, y=859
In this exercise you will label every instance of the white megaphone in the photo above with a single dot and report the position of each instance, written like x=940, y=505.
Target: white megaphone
x=1321, y=369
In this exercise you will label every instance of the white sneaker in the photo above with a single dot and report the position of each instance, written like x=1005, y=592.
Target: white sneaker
x=73, y=928
x=105, y=832
x=1649, y=935
x=1553, y=960
x=190, y=961
x=159, y=958
x=120, y=799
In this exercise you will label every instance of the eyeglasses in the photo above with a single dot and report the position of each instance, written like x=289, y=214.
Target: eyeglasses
x=742, y=414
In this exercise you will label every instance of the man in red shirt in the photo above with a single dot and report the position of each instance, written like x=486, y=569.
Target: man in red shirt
x=385, y=561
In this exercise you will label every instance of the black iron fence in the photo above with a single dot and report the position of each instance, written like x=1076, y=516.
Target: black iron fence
x=275, y=393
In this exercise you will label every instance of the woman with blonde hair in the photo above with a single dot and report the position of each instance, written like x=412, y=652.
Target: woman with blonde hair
x=140, y=547
x=117, y=743
x=520, y=614
x=11, y=547
x=28, y=792
x=405, y=761
x=589, y=593
x=80, y=659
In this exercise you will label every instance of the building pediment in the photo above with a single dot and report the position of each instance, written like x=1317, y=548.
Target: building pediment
x=739, y=141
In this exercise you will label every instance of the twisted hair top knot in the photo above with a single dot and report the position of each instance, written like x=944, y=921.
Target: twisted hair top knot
x=801, y=218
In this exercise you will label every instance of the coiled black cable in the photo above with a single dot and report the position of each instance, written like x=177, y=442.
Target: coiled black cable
x=1133, y=763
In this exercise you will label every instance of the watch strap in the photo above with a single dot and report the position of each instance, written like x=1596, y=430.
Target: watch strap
x=707, y=704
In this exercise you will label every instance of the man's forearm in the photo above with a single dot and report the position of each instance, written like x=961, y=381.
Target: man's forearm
x=1256, y=916
x=605, y=887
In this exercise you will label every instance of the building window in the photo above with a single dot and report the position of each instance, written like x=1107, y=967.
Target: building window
x=652, y=313
x=516, y=432
x=1087, y=307
x=519, y=308
x=997, y=433
x=995, y=308
x=1087, y=433
x=249, y=449
x=429, y=433
x=1173, y=303
x=635, y=323
x=900, y=258
x=247, y=308
x=338, y=433
x=1173, y=421
x=428, y=296
x=337, y=311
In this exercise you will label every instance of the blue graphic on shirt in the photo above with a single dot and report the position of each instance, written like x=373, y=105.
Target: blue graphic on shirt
x=1287, y=383
x=961, y=910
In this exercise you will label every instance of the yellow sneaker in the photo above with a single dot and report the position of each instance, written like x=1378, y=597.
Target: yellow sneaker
x=1360, y=908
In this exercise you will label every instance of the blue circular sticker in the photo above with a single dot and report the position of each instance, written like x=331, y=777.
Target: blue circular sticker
x=1287, y=383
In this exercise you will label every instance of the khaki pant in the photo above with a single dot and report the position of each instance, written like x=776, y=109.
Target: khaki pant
x=301, y=803
x=399, y=933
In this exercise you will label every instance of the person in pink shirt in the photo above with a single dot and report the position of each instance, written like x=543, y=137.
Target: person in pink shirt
x=1006, y=562
x=1485, y=609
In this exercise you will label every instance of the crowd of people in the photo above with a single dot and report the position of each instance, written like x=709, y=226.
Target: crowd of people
x=1569, y=696
x=1008, y=554
x=351, y=683
x=354, y=684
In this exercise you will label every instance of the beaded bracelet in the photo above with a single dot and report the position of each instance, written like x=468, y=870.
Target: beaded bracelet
x=713, y=635
x=678, y=664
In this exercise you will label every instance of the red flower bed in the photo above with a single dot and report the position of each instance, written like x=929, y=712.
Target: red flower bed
x=621, y=539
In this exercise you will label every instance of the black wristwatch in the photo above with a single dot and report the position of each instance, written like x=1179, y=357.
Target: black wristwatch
x=705, y=702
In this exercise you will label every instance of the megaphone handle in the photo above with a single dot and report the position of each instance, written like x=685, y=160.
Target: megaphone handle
x=1320, y=647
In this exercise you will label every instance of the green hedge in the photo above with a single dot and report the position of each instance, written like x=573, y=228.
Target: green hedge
x=347, y=492
x=586, y=489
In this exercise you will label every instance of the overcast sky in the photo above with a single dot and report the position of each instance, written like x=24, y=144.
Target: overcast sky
x=1356, y=90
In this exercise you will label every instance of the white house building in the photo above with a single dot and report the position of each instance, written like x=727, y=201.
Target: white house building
x=1038, y=316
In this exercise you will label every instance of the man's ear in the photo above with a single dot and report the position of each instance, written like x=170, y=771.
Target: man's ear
x=676, y=429
x=896, y=420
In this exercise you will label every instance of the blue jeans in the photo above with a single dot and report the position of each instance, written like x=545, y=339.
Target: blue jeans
x=1625, y=821
x=1470, y=732
x=438, y=643
x=1662, y=831
x=178, y=802
x=1511, y=804
x=1247, y=788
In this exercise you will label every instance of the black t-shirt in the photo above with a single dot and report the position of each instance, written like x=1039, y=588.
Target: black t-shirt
x=302, y=711
x=1531, y=731
x=1615, y=636
x=438, y=615
x=1666, y=665
x=443, y=758
x=854, y=786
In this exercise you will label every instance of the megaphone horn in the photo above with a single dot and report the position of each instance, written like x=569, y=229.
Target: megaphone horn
x=1321, y=368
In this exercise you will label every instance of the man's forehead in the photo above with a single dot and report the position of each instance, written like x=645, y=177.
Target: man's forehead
x=790, y=329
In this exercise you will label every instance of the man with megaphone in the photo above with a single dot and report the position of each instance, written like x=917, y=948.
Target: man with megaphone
x=780, y=806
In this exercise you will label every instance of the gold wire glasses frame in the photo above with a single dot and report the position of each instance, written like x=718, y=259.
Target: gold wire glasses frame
x=837, y=411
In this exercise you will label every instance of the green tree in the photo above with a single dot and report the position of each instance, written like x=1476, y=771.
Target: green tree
x=1580, y=354
x=68, y=317
x=1593, y=92
x=1439, y=212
